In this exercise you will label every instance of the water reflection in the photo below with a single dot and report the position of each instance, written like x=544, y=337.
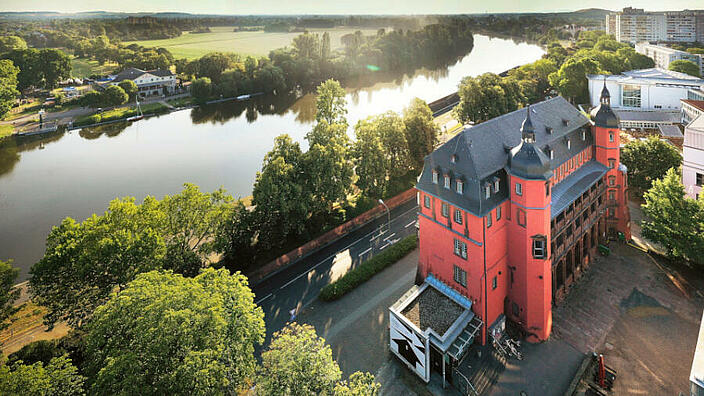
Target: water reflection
x=109, y=130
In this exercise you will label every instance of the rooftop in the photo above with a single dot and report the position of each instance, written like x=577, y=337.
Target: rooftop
x=432, y=309
x=672, y=131
x=672, y=117
x=652, y=75
x=697, y=104
x=574, y=185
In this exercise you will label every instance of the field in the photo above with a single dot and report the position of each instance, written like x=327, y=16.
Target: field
x=224, y=39
x=83, y=68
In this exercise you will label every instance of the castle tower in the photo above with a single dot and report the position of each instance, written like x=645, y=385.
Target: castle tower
x=607, y=151
x=530, y=292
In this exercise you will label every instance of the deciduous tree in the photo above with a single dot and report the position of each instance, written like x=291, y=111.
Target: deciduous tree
x=331, y=103
x=60, y=377
x=648, y=160
x=8, y=293
x=421, y=132
x=129, y=87
x=113, y=96
x=9, y=43
x=686, y=67
x=571, y=79
x=165, y=334
x=8, y=86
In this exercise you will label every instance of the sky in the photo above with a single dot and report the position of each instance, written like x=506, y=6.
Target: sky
x=339, y=6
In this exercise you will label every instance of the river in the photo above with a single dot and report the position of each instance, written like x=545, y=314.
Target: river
x=43, y=180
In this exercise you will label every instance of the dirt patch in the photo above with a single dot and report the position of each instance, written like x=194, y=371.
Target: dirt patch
x=433, y=309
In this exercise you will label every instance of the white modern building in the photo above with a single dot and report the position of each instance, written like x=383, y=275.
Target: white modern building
x=691, y=109
x=646, y=89
x=663, y=56
x=696, y=374
x=634, y=25
x=149, y=83
x=693, y=158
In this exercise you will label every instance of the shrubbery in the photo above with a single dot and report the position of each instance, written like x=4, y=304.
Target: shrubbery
x=369, y=268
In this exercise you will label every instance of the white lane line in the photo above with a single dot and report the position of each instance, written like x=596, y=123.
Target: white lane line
x=390, y=236
x=377, y=236
x=365, y=252
x=385, y=246
x=345, y=248
x=267, y=296
x=410, y=224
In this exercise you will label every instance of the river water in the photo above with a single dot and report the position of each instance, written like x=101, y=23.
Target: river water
x=43, y=180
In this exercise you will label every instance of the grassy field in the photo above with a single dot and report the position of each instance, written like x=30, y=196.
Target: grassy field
x=6, y=130
x=83, y=68
x=224, y=39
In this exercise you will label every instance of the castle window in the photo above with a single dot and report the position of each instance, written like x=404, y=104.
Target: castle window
x=460, y=249
x=493, y=283
x=547, y=189
x=539, y=247
x=460, y=187
x=435, y=177
x=612, y=213
x=612, y=195
x=498, y=213
x=426, y=201
x=460, y=276
x=612, y=163
x=445, y=210
x=612, y=180
x=447, y=182
x=611, y=136
x=519, y=189
x=488, y=220
x=458, y=216
x=521, y=217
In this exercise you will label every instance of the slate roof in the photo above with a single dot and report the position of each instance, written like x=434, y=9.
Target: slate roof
x=132, y=73
x=672, y=131
x=482, y=152
x=574, y=185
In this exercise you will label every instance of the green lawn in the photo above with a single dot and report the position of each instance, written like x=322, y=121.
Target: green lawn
x=6, y=130
x=119, y=113
x=224, y=39
x=83, y=68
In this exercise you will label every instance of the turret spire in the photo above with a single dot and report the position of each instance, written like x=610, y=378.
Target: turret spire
x=605, y=96
x=527, y=130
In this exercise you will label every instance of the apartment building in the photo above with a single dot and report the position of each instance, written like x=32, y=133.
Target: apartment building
x=663, y=56
x=634, y=25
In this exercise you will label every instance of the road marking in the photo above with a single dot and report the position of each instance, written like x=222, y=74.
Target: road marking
x=410, y=224
x=267, y=296
x=345, y=248
x=377, y=236
x=365, y=252
x=387, y=238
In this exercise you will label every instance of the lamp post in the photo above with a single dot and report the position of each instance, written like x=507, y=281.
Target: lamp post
x=388, y=215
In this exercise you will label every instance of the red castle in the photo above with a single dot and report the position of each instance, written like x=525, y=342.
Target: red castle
x=512, y=210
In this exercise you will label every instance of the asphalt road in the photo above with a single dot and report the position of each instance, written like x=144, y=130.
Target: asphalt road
x=299, y=284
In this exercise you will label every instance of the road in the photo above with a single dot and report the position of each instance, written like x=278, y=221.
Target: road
x=298, y=285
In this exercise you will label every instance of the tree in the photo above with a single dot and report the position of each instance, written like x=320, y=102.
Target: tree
x=8, y=292
x=306, y=45
x=113, y=96
x=331, y=103
x=59, y=377
x=84, y=262
x=571, y=79
x=27, y=60
x=673, y=220
x=166, y=334
x=212, y=65
x=371, y=162
x=270, y=78
x=485, y=97
x=279, y=193
x=54, y=65
x=8, y=86
x=236, y=237
x=686, y=67
x=129, y=87
x=201, y=89
x=298, y=362
x=557, y=53
x=190, y=221
x=325, y=47
x=421, y=132
x=327, y=168
x=9, y=43
x=648, y=160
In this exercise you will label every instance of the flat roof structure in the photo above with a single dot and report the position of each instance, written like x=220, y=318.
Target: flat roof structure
x=652, y=75
x=432, y=309
x=671, y=131
x=672, y=117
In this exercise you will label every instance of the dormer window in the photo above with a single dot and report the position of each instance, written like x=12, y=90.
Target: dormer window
x=565, y=122
x=447, y=182
x=584, y=135
x=569, y=144
x=551, y=153
x=496, y=185
x=453, y=158
x=487, y=191
x=460, y=187
x=435, y=177
x=548, y=130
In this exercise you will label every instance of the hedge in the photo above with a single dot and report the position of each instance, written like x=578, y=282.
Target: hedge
x=120, y=113
x=369, y=268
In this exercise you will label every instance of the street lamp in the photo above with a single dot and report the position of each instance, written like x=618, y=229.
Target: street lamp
x=388, y=215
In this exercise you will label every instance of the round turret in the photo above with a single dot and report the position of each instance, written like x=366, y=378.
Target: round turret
x=602, y=115
x=527, y=160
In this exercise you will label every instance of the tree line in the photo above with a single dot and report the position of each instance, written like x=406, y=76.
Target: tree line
x=560, y=71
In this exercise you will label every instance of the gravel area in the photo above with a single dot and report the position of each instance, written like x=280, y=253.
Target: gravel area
x=433, y=309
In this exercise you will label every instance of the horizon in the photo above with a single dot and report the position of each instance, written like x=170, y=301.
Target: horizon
x=345, y=7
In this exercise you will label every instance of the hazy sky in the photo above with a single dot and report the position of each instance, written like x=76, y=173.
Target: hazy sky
x=338, y=6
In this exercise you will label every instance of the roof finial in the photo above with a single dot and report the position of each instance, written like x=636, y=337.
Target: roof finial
x=527, y=130
x=605, y=95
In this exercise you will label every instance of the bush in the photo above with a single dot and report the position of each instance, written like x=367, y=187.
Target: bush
x=369, y=268
x=87, y=120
